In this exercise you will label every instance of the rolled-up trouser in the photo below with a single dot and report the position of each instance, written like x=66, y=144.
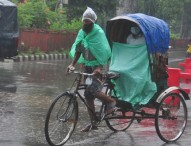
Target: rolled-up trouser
x=93, y=89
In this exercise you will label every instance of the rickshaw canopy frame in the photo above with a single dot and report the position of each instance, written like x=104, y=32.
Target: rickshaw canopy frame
x=155, y=30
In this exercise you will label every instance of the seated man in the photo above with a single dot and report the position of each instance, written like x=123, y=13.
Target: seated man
x=136, y=36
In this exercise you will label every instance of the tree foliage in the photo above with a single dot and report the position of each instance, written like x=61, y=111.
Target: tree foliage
x=47, y=14
x=174, y=12
x=170, y=11
x=37, y=14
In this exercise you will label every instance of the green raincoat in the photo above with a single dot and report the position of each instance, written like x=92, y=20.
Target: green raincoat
x=96, y=42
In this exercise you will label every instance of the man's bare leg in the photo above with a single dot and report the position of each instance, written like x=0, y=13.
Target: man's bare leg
x=111, y=103
x=90, y=103
x=105, y=98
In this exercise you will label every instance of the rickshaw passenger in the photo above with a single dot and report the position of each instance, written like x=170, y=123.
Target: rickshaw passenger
x=92, y=49
x=136, y=36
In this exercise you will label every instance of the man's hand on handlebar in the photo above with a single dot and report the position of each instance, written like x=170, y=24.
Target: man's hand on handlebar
x=70, y=68
x=97, y=72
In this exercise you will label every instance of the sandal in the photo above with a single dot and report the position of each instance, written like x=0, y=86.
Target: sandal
x=89, y=127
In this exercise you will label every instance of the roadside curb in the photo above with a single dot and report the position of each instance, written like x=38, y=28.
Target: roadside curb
x=20, y=58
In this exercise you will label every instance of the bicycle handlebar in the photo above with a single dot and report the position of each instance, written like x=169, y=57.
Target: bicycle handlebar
x=82, y=73
x=109, y=75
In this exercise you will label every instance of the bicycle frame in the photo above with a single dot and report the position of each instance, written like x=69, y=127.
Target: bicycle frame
x=138, y=114
x=109, y=86
x=120, y=119
x=76, y=93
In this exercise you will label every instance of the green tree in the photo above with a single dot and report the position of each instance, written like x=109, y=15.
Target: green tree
x=169, y=10
x=105, y=9
x=36, y=14
x=24, y=15
x=41, y=14
x=46, y=14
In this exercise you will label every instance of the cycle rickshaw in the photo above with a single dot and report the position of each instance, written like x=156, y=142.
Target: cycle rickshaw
x=147, y=66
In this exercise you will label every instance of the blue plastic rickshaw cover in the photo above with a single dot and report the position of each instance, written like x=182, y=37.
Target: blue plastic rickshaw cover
x=156, y=32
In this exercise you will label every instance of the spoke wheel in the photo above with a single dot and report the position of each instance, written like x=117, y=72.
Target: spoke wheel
x=120, y=120
x=171, y=117
x=61, y=119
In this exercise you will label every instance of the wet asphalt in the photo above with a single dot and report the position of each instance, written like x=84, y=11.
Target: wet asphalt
x=26, y=91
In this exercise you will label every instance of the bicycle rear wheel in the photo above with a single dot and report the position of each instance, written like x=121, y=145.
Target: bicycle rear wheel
x=61, y=119
x=120, y=121
x=171, y=117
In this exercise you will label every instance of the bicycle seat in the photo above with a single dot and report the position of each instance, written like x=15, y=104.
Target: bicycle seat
x=113, y=75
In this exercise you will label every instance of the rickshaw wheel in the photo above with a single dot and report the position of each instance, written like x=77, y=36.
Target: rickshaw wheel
x=120, y=121
x=171, y=117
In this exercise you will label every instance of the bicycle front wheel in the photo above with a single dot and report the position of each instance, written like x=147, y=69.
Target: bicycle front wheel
x=61, y=119
x=171, y=117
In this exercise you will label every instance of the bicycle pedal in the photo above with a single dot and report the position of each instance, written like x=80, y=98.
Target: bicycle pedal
x=139, y=120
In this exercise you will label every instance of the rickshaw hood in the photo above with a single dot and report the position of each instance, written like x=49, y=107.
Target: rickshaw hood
x=155, y=30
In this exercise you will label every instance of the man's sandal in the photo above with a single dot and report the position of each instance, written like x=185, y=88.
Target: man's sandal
x=89, y=127
x=111, y=108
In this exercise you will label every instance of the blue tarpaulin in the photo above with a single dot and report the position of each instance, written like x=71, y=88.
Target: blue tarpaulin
x=155, y=30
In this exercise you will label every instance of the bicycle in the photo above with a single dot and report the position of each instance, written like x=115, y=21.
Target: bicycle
x=64, y=111
x=66, y=106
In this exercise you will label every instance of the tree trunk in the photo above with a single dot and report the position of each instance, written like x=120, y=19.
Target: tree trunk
x=126, y=6
x=150, y=7
x=185, y=31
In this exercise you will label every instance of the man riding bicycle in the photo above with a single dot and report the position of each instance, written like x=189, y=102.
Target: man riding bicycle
x=92, y=49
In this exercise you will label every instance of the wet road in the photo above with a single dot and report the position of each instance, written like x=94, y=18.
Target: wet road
x=26, y=91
